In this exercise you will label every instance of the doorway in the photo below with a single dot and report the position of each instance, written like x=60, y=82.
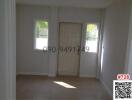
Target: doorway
x=69, y=39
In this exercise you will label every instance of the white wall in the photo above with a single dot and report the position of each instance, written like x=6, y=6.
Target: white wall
x=81, y=15
x=129, y=48
x=30, y=61
x=7, y=50
x=2, y=53
x=115, y=41
x=69, y=3
x=53, y=41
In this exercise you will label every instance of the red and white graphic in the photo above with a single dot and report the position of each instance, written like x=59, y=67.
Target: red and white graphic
x=123, y=77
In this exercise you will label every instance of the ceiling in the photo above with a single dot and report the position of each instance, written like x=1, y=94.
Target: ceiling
x=71, y=3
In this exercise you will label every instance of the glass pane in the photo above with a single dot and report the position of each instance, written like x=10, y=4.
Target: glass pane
x=41, y=35
x=91, y=38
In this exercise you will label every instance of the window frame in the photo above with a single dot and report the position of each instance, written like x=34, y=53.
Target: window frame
x=85, y=30
x=34, y=35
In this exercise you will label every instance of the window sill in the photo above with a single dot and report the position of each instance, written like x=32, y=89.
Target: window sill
x=41, y=50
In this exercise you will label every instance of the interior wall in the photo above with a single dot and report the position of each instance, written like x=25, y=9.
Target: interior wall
x=115, y=41
x=2, y=53
x=80, y=15
x=30, y=61
x=7, y=50
x=129, y=48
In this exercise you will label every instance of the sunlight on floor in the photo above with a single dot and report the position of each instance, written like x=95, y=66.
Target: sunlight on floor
x=64, y=84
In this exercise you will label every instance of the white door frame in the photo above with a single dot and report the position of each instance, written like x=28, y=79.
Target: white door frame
x=57, y=73
x=96, y=75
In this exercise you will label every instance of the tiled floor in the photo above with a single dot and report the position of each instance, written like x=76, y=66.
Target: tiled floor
x=44, y=88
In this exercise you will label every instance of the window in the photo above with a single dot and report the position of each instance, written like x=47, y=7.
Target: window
x=41, y=35
x=91, y=42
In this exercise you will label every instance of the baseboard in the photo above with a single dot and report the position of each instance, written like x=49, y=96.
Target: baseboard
x=106, y=87
x=51, y=75
x=31, y=73
x=87, y=76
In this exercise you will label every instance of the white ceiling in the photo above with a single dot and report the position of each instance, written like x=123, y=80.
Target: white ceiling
x=72, y=3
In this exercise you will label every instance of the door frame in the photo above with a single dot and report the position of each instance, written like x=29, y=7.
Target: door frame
x=99, y=25
x=78, y=74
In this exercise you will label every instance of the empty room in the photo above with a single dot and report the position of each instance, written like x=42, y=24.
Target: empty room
x=66, y=50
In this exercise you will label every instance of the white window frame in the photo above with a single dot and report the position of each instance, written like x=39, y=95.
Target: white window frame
x=85, y=30
x=34, y=35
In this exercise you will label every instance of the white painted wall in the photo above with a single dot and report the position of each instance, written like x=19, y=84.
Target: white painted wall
x=71, y=3
x=30, y=61
x=80, y=15
x=7, y=50
x=53, y=41
x=129, y=48
x=115, y=41
x=2, y=52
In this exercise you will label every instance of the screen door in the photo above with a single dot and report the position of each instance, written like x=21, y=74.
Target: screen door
x=69, y=42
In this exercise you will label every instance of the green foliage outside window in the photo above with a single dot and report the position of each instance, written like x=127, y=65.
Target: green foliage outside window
x=91, y=32
x=41, y=29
